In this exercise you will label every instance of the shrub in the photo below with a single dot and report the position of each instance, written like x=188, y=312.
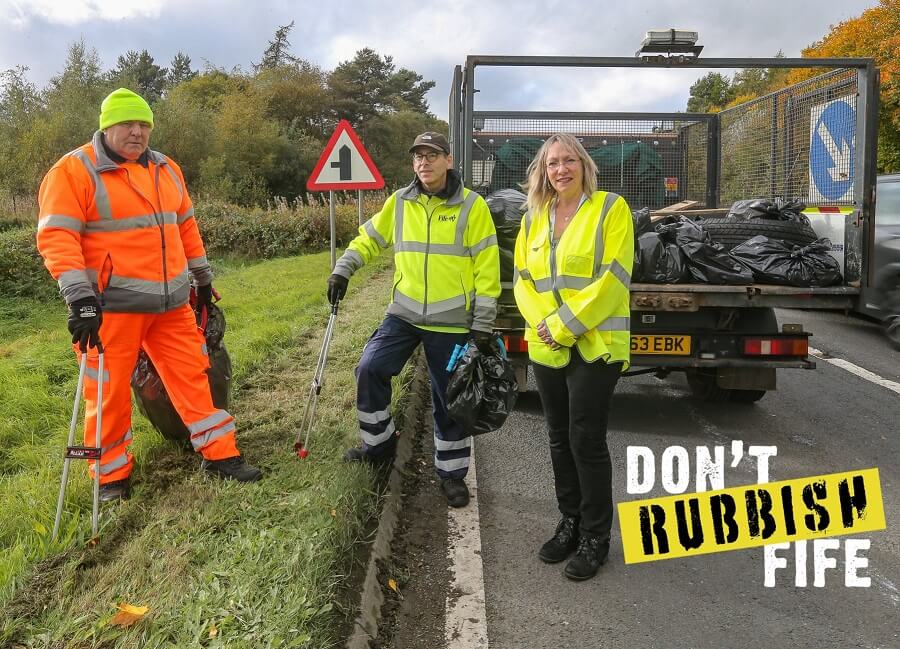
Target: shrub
x=22, y=271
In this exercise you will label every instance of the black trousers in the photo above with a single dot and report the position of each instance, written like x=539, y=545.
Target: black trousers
x=576, y=402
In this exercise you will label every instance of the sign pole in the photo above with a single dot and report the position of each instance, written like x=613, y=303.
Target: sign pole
x=359, y=205
x=333, y=222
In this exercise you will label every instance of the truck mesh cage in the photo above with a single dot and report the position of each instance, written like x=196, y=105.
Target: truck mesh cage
x=757, y=149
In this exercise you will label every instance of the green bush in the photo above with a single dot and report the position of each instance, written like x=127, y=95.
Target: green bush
x=22, y=271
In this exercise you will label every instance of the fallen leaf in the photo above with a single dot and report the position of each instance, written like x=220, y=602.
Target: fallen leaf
x=213, y=631
x=128, y=615
x=393, y=585
x=334, y=512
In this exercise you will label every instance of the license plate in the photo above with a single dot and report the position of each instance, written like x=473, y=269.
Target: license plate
x=667, y=345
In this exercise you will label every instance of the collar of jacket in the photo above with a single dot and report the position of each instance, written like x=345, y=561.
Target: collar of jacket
x=108, y=160
x=453, y=192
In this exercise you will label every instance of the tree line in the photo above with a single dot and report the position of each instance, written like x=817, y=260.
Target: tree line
x=873, y=34
x=241, y=136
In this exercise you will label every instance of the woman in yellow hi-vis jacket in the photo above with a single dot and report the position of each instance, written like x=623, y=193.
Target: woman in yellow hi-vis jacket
x=573, y=264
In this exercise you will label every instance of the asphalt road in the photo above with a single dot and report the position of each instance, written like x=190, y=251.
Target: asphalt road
x=821, y=421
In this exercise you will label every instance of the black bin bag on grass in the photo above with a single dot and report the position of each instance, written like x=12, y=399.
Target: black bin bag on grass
x=482, y=390
x=152, y=399
x=774, y=262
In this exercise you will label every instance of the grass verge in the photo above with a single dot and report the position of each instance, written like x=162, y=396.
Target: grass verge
x=217, y=564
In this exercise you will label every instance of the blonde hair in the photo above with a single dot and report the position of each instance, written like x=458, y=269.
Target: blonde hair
x=537, y=184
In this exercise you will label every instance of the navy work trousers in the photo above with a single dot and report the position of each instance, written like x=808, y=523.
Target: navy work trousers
x=383, y=357
x=576, y=402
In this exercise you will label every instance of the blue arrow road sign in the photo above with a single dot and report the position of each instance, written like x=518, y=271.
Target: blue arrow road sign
x=832, y=150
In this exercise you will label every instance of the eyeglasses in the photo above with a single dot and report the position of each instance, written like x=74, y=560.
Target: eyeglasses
x=431, y=156
x=568, y=162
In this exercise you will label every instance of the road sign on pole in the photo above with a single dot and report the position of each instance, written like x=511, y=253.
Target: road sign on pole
x=344, y=164
x=832, y=150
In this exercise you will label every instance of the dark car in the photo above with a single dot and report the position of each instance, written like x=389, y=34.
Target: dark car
x=883, y=300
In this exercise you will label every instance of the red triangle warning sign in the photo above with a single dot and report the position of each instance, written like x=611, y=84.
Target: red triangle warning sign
x=344, y=164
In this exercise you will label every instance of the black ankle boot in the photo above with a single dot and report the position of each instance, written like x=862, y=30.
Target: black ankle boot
x=563, y=543
x=591, y=554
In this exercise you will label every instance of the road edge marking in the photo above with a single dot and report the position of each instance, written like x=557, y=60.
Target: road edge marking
x=466, y=615
x=861, y=372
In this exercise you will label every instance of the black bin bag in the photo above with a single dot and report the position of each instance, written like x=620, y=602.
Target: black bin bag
x=152, y=399
x=482, y=389
x=507, y=207
x=774, y=262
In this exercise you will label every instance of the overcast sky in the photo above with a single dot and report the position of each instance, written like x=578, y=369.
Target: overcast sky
x=430, y=38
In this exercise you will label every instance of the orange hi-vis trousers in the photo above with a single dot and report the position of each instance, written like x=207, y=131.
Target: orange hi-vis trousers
x=178, y=351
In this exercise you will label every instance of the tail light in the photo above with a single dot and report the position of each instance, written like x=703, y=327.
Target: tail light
x=515, y=343
x=785, y=346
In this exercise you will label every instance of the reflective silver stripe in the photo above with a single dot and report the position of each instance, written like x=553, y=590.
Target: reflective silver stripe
x=122, y=440
x=131, y=223
x=202, y=440
x=451, y=303
x=572, y=323
x=92, y=373
x=375, y=440
x=524, y=273
x=204, y=349
x=213, y=420
x=608, y=202
x=408, y=303
x=487, y=242
x=618, y=270
x=187, y=215
x=573, y=282
x=350, y=262
x=527, y=220
x=60, y=221
x=373, y=417
x=543, y=285
x=369, y=227
x=444, y=445
x=143, y=285
x=197, y=262
x=615, y=324
x=398, y=220
x=485, y=310
x=463, y=219
x=101, y=196
x=452, y=465
x=72, y=277
x=433, y=248
x=177, y=181
x=108, y=467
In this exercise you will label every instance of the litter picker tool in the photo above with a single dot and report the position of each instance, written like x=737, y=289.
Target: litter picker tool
x=301, y=444
x=83, y=452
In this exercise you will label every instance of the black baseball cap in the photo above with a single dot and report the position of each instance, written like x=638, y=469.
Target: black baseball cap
x=431, y=140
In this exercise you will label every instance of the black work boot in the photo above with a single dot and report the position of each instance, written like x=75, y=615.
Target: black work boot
x=563, y=543
x=591, y=554
x=117, y=490
x=456, y=491
x=359, y=455
x=232, y=468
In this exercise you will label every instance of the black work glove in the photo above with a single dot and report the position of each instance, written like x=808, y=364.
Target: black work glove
x=85, y=318
x=205, y=295
x=337, y=288
x=484, y=341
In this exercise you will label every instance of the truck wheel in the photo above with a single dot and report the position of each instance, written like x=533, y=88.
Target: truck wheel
x=730, y=233
x=747, y=396
x=704, y=387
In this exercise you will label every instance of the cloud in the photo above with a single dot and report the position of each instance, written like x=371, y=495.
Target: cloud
x=20, y=15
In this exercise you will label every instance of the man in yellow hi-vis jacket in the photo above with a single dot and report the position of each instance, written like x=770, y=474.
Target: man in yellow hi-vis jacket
x=446, y=285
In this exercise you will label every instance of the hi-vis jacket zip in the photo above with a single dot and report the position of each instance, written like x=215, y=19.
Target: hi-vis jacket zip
x=133, y=225
x=445, y=252
x=580, y=284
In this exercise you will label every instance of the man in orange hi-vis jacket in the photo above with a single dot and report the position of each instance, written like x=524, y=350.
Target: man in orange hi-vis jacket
x=117, y=231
